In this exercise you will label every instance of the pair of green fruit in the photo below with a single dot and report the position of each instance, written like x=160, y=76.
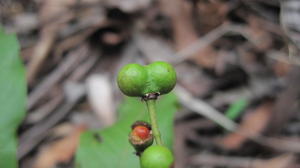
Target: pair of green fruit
x=139, y=81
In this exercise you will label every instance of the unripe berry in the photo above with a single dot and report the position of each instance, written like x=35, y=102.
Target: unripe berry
x=131, y=79
x=162, y=77
x=157, y=157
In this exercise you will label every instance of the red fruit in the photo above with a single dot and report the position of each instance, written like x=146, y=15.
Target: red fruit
x=141, y=131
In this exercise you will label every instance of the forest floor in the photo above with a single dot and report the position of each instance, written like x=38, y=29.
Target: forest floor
x=237, y=63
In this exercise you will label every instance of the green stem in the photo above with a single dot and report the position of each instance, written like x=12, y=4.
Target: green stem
x=152, y=112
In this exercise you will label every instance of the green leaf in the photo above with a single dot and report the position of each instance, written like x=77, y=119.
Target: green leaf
x=12, y=98
x=110, y=148
x=236, y=108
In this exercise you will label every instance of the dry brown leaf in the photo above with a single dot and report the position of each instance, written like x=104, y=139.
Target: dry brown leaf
x=283, y=161
x=60, y=151
x=252, y=125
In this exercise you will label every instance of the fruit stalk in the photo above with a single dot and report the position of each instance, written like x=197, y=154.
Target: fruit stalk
x=152, y=112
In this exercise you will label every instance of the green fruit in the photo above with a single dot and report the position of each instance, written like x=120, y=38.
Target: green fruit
x=131, y=79
x=157, y=157
x=162, y=77
x=137, y=80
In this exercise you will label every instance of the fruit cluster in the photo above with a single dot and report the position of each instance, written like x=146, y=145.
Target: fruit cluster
x=148, y=82
x=138, y=81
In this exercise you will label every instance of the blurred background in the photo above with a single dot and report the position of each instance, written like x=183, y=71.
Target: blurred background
x=237, y=63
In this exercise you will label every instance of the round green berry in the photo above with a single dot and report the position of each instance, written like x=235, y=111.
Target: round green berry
x=162, y=77
x=132, y=79
x=137, y=80
x=157, y=157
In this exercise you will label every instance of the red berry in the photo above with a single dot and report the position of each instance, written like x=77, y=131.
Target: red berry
x=142, y=132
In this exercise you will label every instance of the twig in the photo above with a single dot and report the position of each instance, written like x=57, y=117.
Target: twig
x=281, y=56
x=213, y=35
x=40, y=53
x=45, y=109
x=69, y=63
x=282, y=145
x=56, y=100
x=74, y=40
x=204, y=109
x=201, y=43
x=30, y=138
x=84, y=68
x=260, y=10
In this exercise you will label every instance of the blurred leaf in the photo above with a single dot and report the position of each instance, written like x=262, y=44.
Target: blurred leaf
x=12, y=98
x=236, y=108
x=109, y=148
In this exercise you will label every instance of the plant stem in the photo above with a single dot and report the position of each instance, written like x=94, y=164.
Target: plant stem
x=152, y=112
